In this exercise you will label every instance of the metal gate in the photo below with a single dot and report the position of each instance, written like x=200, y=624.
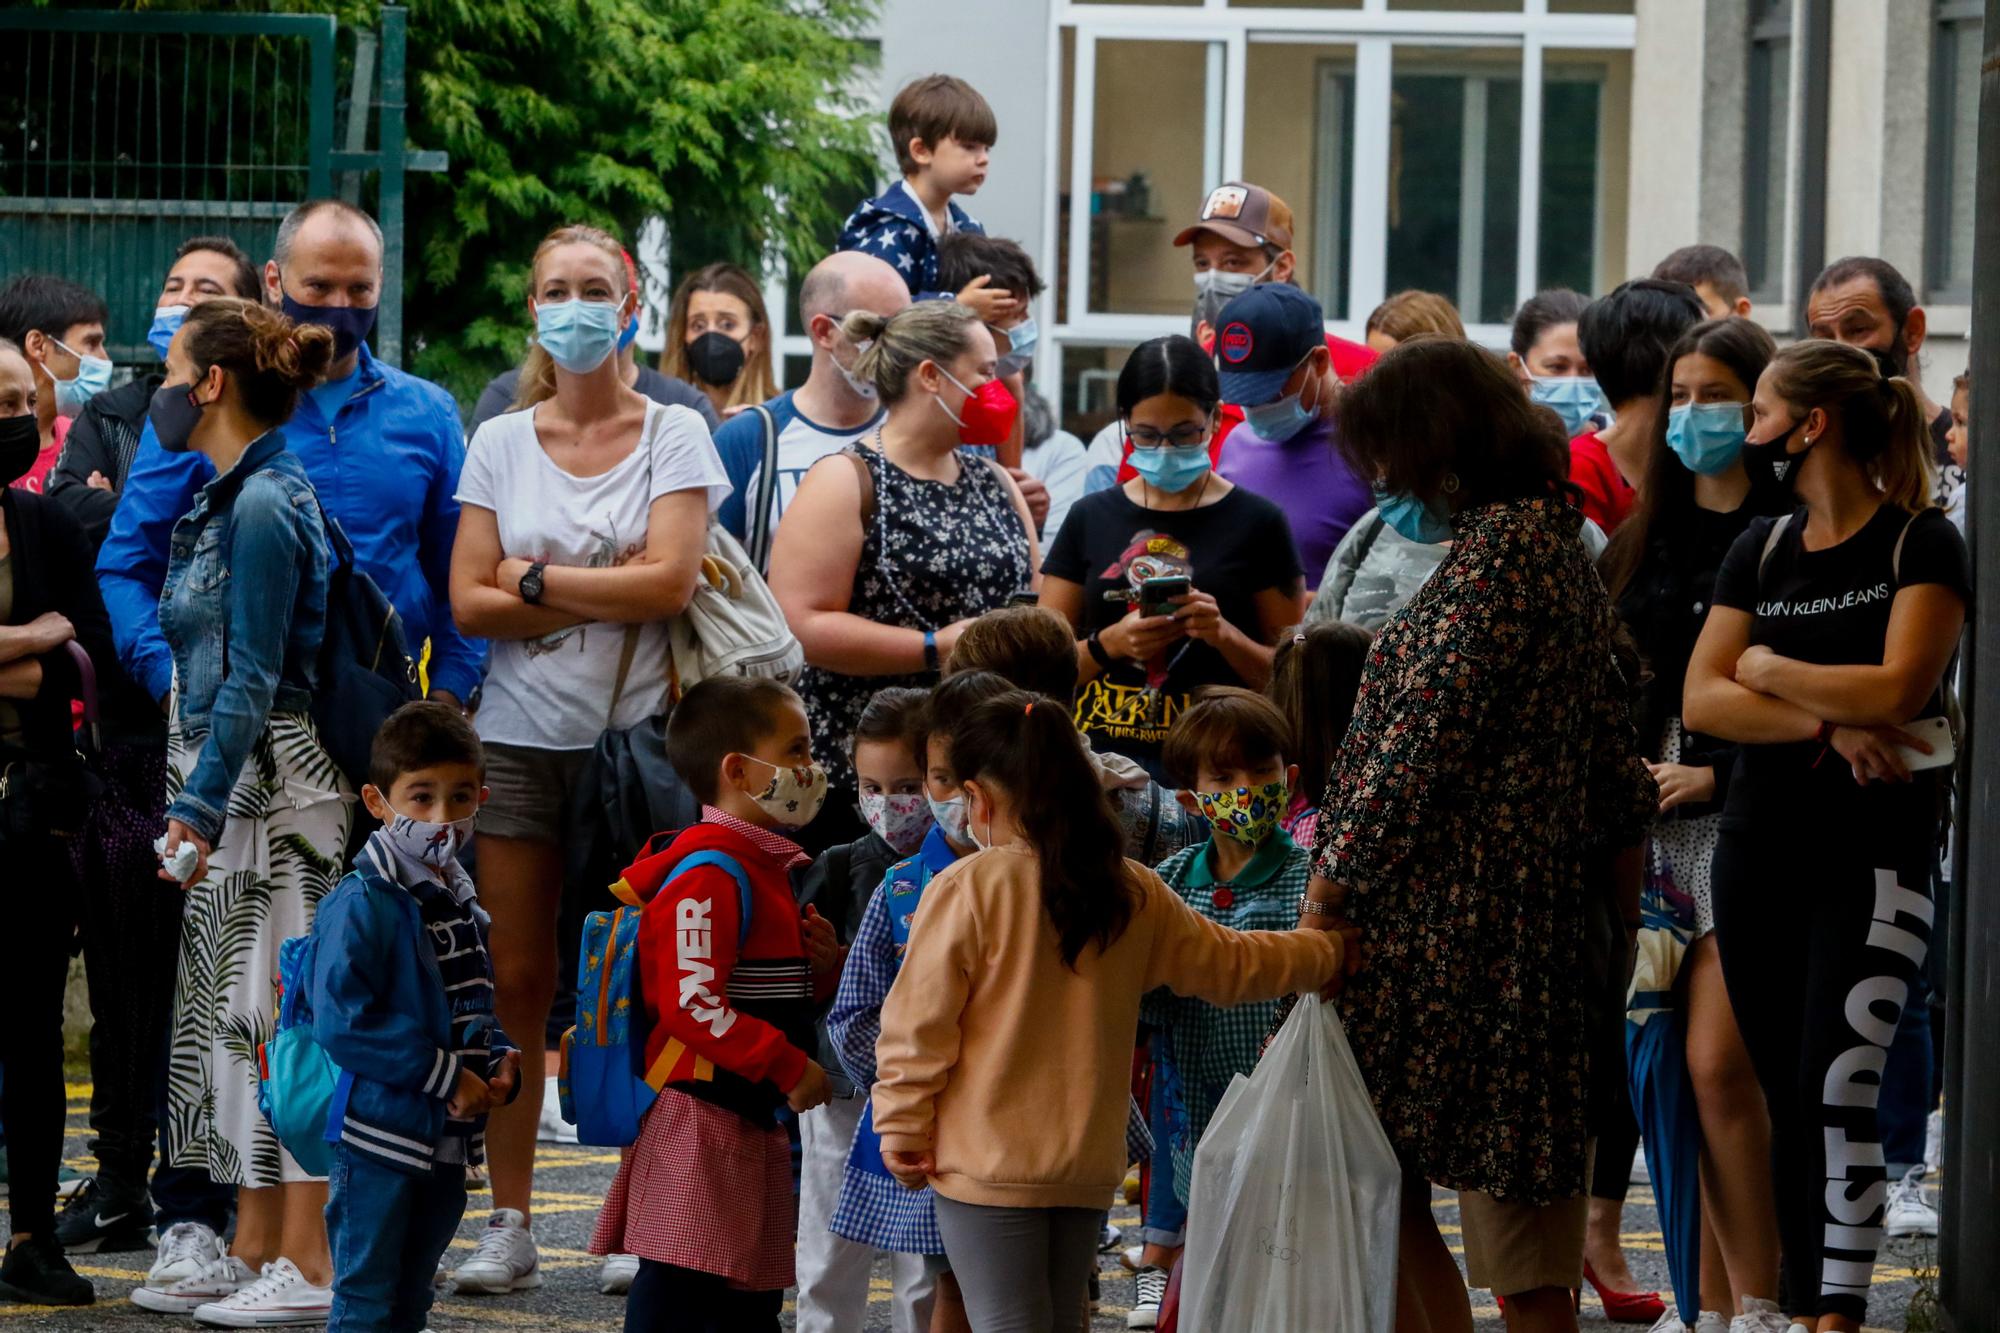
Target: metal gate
x=124, y=134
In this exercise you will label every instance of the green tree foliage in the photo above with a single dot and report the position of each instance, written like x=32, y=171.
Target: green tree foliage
x=746, y=124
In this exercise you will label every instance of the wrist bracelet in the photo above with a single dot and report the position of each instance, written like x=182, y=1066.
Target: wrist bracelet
x=930, y=650
x=1098, y=652
x=1825, y=733
x=1311, y=908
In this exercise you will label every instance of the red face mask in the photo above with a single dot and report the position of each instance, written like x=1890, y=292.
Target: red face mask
x=989, y=412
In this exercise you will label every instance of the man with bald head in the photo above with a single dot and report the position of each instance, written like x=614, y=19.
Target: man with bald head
x=767, y=449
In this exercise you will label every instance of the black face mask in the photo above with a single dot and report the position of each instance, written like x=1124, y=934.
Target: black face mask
x=20, y=445
x=715, y=358
x=1892, y=360
x=1769, y=459
x=174, y=413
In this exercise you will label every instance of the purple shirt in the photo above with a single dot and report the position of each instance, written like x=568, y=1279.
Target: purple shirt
x=1307, y=478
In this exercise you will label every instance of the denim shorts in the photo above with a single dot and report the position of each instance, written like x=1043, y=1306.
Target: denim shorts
x=530, y=791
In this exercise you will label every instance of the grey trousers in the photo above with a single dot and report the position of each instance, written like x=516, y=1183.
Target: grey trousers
x=1021, y=1270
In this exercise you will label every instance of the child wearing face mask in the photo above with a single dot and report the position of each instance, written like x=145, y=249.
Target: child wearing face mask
x=730, y=973
x=874, y=1211
x=402, y=999
x=1227, y=754
x=834, y=1271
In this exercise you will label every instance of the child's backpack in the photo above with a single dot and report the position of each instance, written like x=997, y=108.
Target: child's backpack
x=605, y=1085
x=295, y=1076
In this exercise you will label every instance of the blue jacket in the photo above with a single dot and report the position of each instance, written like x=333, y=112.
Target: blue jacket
x=380, y=1012
x=386, y=467
x=243, y=610
x=892, y=227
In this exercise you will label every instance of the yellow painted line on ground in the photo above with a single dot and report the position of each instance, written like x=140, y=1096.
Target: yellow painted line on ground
x=479, y=1312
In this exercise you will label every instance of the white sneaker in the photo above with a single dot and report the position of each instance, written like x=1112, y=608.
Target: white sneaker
x=1668, y=1322
x=553, y=1128
x=1710, y=1321
x=1109, y=1239
x=1151, y=1284
x=281, y=1298
x=1760, y=1316
x=1909, y=1214
x=1128, y=1258
x=504, y=1260
x=1934, y=1142
x=224, y=1276
x=185, y=1249
x=615, y=1278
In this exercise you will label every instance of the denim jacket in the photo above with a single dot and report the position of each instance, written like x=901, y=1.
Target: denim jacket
x=243, y=610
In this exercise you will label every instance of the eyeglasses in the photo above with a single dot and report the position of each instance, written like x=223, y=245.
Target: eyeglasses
x=1180, y=437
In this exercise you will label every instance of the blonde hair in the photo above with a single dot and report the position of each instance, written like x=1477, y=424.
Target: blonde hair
x=1882, y=426
x=935, y=331
x=754, y=384
x=1408, y=313
x=538, y=371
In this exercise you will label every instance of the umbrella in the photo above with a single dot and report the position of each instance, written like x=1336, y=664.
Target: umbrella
x=1662, y=1092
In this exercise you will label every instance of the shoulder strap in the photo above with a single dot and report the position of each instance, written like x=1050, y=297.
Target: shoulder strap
x=1896, y=556
x=1771, y=540
x=853, y=455
x=767, y=491
x=902, y=888
x=625, y=655
x=729, y=865
x=1368, y=541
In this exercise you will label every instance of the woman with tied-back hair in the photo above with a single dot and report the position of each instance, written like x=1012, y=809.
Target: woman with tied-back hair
x=888, y=550
x=1828, y=641
x=581, y=529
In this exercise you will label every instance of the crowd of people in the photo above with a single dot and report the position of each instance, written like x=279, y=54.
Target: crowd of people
x=1494, y=696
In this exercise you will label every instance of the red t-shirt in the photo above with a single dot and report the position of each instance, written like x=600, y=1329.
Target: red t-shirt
x=1349, y=360
x=1607, y=496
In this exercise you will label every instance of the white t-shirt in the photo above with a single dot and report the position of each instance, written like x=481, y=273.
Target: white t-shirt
x=1059, y=463
x=554, y=693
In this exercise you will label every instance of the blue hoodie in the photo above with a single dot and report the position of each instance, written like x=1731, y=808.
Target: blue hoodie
x=893, y=228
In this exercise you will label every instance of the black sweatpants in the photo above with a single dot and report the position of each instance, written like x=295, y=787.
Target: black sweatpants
x=1819, y=939
x=34, y=962
x=666, y=1298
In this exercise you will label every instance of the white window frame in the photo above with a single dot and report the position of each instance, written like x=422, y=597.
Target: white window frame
x=1374, y=31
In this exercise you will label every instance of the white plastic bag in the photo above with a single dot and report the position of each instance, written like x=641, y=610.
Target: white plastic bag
x=1293, y=1204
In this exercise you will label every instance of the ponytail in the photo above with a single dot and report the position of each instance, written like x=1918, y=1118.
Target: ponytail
x=1025, y=745
x=1904, y=469
x=1882, y=424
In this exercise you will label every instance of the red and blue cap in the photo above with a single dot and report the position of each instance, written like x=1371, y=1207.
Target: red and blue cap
x=1260, y=338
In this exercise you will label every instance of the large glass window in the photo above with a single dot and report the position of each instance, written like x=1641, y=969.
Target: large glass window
x=1765, y=148
x=1310, y=167
x=1455, y=177
x=1954, y=158
x=1586, y=114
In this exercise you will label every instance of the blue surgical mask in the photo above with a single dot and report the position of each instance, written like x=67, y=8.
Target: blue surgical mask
x=1021, y=340
x=1412, y=518
x=1279, y=421
x=952, y=817
x=1708, y=437
x=630, y=332
x=93, y=376
x=1575, y=398
x=1172, y=468
x=578, y=335
x=167, y=321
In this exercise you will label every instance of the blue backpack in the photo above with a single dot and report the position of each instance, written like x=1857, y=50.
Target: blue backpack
x=604, y=1084
x=296, y=1077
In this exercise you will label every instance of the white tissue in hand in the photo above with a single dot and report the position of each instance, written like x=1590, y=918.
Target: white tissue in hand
x=181, y=864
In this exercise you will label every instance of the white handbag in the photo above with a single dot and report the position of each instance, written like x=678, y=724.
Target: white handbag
x=732, y=625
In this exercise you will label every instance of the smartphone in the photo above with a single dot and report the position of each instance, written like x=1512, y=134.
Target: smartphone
x=1936, y=731
x=1156, y=594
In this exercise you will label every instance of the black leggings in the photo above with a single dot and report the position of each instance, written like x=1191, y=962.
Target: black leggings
x=1819, y=942
x=669, y=1299
x=34, y=962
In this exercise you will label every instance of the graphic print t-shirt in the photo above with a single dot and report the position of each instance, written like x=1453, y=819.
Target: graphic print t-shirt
x=1231, y=550
x=1832, y=607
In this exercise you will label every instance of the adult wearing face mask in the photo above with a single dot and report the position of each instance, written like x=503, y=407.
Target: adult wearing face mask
x=1145, y=645
x=1625, y=336
x=833, y=410
x=887, y=551
x=59, y=327
x=719, y=338
x=47, y=602
x=580, y=536
x=104, y=438
x=1271, y=352
x=500, y=392
x=381, y=447
x=1545, y=356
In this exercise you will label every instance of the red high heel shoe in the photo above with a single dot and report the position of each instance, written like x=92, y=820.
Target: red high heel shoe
x=1626, y=1307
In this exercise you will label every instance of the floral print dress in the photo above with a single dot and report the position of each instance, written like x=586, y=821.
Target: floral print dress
x=1492, y=753
x=935, y=552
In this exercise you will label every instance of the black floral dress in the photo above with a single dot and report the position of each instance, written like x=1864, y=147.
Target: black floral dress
x=935, y=552
x=1491, y=754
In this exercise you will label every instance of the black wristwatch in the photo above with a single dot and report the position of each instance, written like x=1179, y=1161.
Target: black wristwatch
x=1098, y=652
x=531, y=584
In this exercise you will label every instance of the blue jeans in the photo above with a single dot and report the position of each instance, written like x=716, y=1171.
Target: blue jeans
x=1165, y=1221
x=387, y=1231
x=1906, y=1099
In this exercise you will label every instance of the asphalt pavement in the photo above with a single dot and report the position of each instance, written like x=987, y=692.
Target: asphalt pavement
x=570, y=1181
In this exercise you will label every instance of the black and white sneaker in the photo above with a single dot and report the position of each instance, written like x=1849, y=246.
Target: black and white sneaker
x=1151, y=1285
x=97, y=1220
x=36, y=1273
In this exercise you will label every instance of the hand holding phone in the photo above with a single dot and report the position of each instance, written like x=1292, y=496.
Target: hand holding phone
x=1157, y=596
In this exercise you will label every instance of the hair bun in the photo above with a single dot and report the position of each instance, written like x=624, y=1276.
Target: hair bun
x=298, y=354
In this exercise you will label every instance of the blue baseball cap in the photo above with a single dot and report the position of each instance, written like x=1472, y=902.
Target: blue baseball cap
x=1260, y=338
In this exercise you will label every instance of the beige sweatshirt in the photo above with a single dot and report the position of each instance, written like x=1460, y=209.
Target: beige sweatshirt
x=1015, y=1071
